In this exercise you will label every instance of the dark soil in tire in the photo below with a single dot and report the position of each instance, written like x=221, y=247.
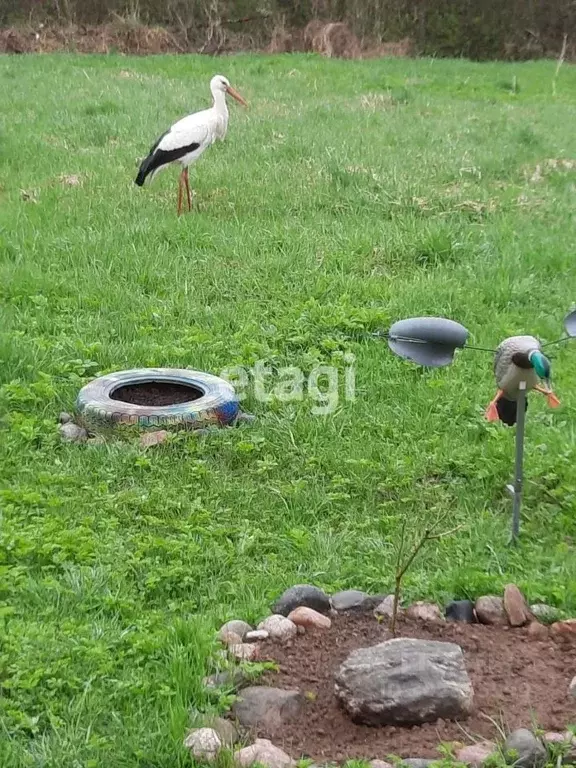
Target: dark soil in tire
x=518, y=682
x=156, y=394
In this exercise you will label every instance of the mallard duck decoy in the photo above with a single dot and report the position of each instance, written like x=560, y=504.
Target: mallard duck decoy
x=519, y=367
x=518, y=358
x=432, y=342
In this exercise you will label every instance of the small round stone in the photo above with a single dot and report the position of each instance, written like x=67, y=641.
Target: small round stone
x=490, y=610
x=385, y=608
x=425, y=612
x=529, y=751
x=515, y=606
x=226, y=730
x=245, y=418
x=544, y=613
x=349, y=600
x=557, y=737
x=245, y=651
x=476, y=754
x=64, y=418
x=460, y=610
x=264, y=753
x=279, y=627
x=239, y=628
x=564, y=631
x=229, y=638
x=538, y=631
x=203, y=743
x=72, y=433
x=256, y=635
x=263, y=707
x=231, y=678
x=302, y=595
x=309, y=618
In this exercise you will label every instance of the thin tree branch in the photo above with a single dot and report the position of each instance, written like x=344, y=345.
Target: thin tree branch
x=445, y=533
x=562, y=55
x=559, y=64
x=428, y=535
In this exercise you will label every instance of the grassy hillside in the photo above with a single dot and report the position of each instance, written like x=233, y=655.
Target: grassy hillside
x=349, y=195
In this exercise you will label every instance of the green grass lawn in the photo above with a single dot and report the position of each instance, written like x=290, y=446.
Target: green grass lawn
x=349, y=195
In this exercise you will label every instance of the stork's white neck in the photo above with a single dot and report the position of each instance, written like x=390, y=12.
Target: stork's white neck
x=220, y=101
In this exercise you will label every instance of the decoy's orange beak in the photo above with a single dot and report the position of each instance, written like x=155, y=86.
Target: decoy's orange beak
x=235, y=95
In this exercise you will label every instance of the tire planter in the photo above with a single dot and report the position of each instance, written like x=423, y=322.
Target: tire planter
x=216, y=402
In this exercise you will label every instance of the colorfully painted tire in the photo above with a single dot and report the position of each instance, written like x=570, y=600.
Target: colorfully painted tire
x=218, y=404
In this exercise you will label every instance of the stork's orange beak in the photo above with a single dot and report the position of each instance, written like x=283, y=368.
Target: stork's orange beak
x=235, y=95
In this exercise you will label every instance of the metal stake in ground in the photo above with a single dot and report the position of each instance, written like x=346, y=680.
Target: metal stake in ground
x=516, y=489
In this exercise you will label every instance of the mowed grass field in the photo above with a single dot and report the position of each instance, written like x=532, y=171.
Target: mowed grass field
x=349, y=195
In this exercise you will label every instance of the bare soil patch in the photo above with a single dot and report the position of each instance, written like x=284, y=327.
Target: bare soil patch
x=518, y=682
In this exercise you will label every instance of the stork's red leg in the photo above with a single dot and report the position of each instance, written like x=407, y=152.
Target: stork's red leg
x=187, y=189
x=180, y=194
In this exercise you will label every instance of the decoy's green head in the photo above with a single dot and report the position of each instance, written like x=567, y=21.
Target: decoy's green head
x=541, y=364
x=535, y=360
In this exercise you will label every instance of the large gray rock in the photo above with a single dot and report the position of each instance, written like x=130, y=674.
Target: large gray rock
x=302, y=594
x=259, y=706
x=527, y=751
x=405, y=682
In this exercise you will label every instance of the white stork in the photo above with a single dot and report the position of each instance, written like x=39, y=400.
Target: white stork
x=187, y=139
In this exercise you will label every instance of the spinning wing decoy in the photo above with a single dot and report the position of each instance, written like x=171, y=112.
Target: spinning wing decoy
x=428, y=341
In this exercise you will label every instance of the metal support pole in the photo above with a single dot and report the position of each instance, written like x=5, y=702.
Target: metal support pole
x=516, y=490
